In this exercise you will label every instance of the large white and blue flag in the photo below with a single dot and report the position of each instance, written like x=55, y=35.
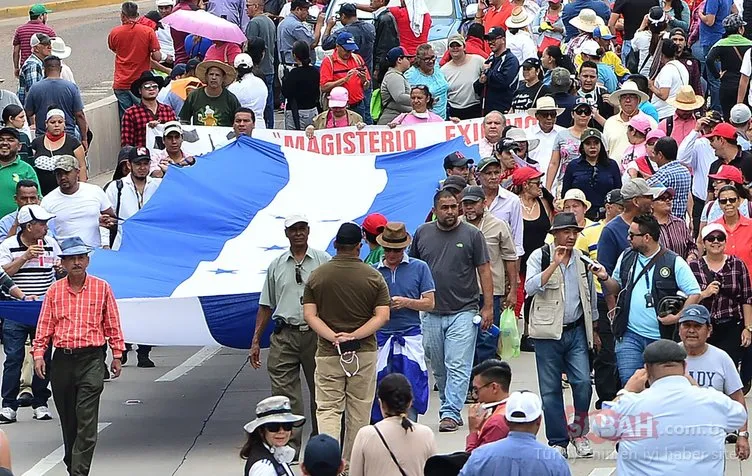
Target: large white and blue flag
x=193, y=260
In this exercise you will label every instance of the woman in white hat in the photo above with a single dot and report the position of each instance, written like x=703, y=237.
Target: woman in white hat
x=250, y=89
x=586, y=22
x=525, y=142
x=266, y=451
x=519, y=40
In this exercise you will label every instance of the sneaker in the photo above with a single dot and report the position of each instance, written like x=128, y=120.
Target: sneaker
x=24, y=399
x=562, y=451
x=145, y=363
x=526, y=344
x=583, y=448
x=731, y=439
x=42, y=413
x=124, y=358
x=7, y=415
x=447, y=425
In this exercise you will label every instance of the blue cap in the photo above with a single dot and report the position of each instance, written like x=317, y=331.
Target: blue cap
x=603, y=32
x=347, y=41
x=396, y=53
x=74, y=246
x=695, y=313
x=322, y=456
x=177, y=70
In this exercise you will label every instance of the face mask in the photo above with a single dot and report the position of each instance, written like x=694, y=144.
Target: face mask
x=283, y=454
x=421, y=115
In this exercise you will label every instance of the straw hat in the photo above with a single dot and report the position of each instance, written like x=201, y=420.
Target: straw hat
x=686, y=99
x=546, y=103
x=586, y=20
x=518, y=19
x=629, y=87
x=230, y=72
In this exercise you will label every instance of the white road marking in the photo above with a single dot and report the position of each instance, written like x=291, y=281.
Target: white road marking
x=192, y=362
x=613, y=455
x=55, y=458
x=602, y=472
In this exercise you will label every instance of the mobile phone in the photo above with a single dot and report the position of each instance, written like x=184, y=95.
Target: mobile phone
x=348, y=346
x=588, y=262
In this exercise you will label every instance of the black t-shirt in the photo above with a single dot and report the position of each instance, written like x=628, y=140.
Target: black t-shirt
x=302, y=84
x=633, y=11
x=742, y=161
x=525, y=96
x=46, y=177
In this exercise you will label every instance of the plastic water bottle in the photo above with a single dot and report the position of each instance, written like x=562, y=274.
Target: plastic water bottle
x=493, y=330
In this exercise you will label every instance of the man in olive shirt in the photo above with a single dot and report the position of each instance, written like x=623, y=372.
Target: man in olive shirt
x=345, y=301
x=214, y=104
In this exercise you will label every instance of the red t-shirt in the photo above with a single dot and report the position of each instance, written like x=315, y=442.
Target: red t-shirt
x=408, y=40
x=494, y=17
x=132, y=44
x=226, y=53
x=23, y=35
x=334, y=68
x=178, y=37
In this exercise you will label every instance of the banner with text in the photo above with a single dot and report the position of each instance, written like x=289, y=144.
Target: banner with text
x=199, y=140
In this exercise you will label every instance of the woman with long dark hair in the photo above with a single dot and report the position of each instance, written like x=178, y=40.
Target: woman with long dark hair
x=531, y=87
x=647, y=41
x=422, y=102
x=395, y=445
x=677, y=13
x=395, y=90
x=14, y=116
x=671, y=77
x=265, y=450
x=300, y=86
x=250, y=90
x=553, y=58
x=567, y=144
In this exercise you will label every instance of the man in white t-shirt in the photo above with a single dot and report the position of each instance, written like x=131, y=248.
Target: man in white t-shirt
x=461, y=73
x=79, y=208
x=710, y=366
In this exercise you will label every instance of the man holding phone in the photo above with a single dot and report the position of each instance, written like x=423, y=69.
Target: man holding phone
x=346, y=68
x=345, y=302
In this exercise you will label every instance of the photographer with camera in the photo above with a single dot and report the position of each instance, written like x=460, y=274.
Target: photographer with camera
x=646, y=281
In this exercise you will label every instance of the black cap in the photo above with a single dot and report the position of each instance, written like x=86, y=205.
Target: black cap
x=614, y=197
x=299, y=4
x=582, y=102
x=473, y=194
x=12, y=131
x=192, y=64
x=454, y=182
x=348, y=10
x=456, y=159
x=663, y=351
x=139, y=153
x=532, y=63
x=125, y=153
x=349, y=234
x=322, y=456
x=496, y=32
x=506, y=144
x=155, y=17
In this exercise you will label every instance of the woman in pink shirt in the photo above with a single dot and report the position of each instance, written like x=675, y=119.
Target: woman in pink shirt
x=422, y=102
x=223, y=51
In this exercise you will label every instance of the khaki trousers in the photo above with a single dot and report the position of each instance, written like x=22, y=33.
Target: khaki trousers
x=27, y=371
x=336, y=393
x=289, y=350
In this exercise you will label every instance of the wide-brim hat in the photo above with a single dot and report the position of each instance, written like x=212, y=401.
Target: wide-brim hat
x=546, y=103
x=519, y=135
x=274, y=410
x=587, y=20
x=394, y=236
x=230, y=73
x=576, y=194
x=686, y=99
x=563, y=221
x=519, y=18
x=145, y=77
x=59, y=48
x=629, y=87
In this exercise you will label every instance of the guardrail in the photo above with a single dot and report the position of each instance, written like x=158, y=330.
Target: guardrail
x=102, y=117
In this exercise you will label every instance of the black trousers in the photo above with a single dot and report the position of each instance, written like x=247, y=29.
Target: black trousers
x=472, y=112
x=697, y=206
x=604, y=364
x=77, y=383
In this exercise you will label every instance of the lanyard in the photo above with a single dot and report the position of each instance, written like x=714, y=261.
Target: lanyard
x=646, y=273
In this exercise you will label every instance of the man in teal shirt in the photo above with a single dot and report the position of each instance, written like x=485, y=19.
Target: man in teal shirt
x=12, y=169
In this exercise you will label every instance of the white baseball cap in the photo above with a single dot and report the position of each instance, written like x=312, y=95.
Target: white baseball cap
x=29, y=213
x=590, y=48
x=293, y=219
x=172, y=126
x=244, y=59
x=740, y=114
x=708, y=229
x=523, y=407
x=165, y=3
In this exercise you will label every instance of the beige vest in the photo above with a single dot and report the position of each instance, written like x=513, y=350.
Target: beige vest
x=546, y=319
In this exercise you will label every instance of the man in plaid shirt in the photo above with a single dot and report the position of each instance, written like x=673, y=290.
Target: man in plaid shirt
x=672, y=174
x=148, y=113
x=32, y=70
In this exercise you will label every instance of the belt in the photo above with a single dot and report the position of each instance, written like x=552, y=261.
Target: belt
x=282, y=324
x=79, y=350
x=573, y=325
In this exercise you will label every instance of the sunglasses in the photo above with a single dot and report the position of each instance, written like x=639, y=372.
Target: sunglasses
x=299, y=273
x=429, y=59
x=715, y=237
x=632, y=235
x=150, y=86
x=547, y=114
x=275, y=427
x=583, y=111
x=393, y=250
x=665, y=198
x=534, y=182
x=724, y=201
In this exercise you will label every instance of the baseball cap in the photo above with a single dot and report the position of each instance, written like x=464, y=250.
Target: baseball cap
x=496, y=32
x=322, y=456
x=640, y=123
x=456, y=159
x=582, y=102
x=532, y=63
x=733, y=21
x=614, y=197
x=708, y=229
x=638, y=187
x=725, y=130
x=523, y=407
x=454, y=182
x=192, y=64
x=39, y=39
x=373, y=224
x=656, y=15
x=349, y=234
x=347, y=41
x=590, y=48
x=655, y=134
x=29, y=213
x=485, y=162
x=695, y=313
x=473, y=193
x=740, y=114
x=124, y=153
x=139, y=153
x=348, y=9
x=603, y=32
x=396, y=53
x=728, y=172
x=662, y=351
x=243, y=59
x=12, y=131
x=338, y=97
x=68, y=163
x=561, y=79
x=39, y=9
x=177, y=70
x=591, y=132
x=456, y=39
x=165, y=3
x=714, y=116
x=293, y=219
x=172, y=126
x=295, y=4
x=523, y=174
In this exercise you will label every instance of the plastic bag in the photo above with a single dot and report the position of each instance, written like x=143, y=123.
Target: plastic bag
x=509, y=337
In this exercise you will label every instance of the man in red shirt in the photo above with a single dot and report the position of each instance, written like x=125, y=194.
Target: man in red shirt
x=495, y=15
x=491, y=380
x=413, y=24
x=346, y=68
x=148, y=113
x=134, y=45
x=80, y=316
x=21, y=38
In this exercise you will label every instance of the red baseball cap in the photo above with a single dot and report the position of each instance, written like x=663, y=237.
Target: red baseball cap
x=728, y=172
x=523, y=174
x=374, y=223
x=724, y=129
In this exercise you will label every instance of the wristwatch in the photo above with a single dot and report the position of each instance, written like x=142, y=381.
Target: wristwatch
x=742, y=434
x=748, y=328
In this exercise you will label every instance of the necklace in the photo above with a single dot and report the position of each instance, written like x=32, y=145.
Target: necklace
x=531, y=208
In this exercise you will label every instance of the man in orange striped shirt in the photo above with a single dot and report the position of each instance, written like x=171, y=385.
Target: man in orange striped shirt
x=79, y=315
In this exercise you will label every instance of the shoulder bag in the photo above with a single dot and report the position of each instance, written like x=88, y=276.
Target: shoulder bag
x=394, y=458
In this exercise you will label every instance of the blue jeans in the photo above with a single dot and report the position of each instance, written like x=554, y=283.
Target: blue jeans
x=367, y=106
x=449, y=343
x=626, y=48
x=269, y=109
x=487, y=345
x=125, y=99
x=14, y=341
x=569, y=354
x=714, y=83
x=360, y=108
x=629, y=351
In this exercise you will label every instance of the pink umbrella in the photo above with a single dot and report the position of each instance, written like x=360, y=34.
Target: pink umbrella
x=206, y=25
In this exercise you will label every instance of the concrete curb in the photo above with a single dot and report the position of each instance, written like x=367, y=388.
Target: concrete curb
x=59, y=6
